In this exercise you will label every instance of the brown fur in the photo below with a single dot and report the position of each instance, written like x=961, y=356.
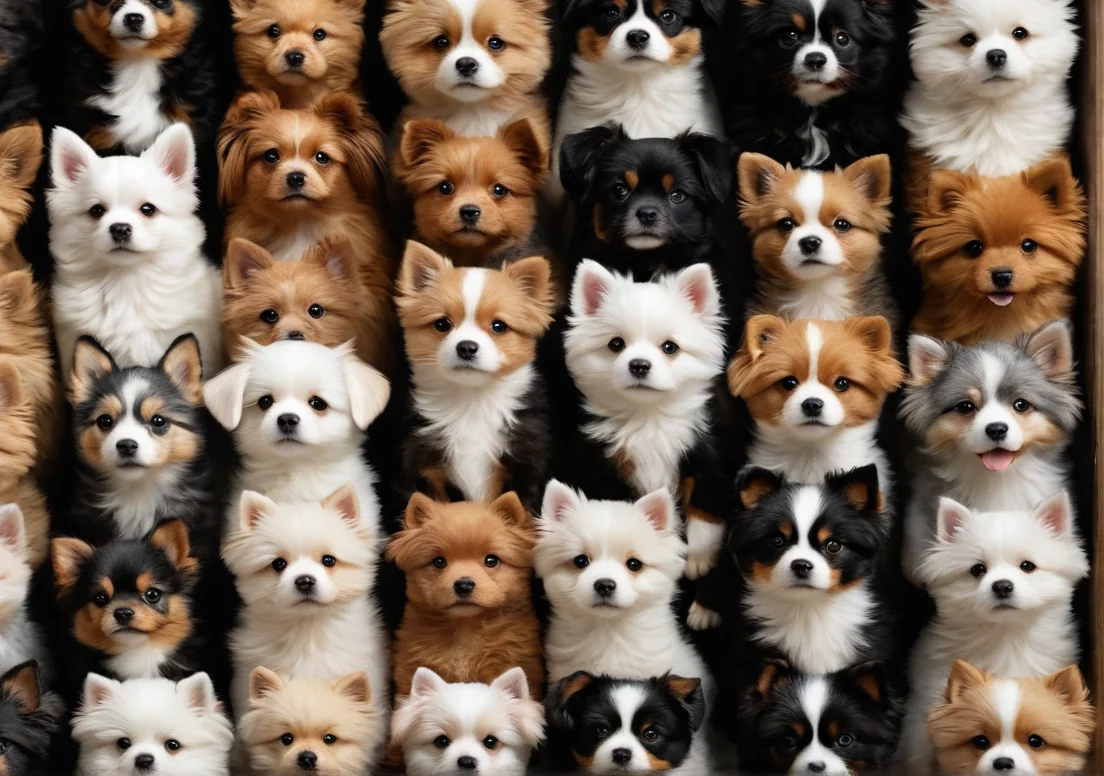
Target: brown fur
x=20, y=157
x=330, y=65
x=1044, y=204
x=17, y=454
x=475, y=642
x=174, y=30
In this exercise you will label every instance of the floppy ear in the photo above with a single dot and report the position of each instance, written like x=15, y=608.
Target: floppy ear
x=233, y=140
x=755, y=482
x=13, y=530
x=361, y=136
x=659, y=508
x=21, y=155
x=760, y=332
x=69, y=556
x=90, y=362
x=1053, y=179
x=712, y=160
x=579, y=155
x=964, y=676
x=872, y=177
x=98, y=690
x=927, y=358
x=244, y=259
x=21, y=685
x=252, y=508
x=421, y=266
x=355, y=687
x=419, y=138
x=1051, y=348
x=199, y=692
x=950, y=519
x=344, y=502
x=426, y=683
x=419, y=511
x=224, y=393
x=689, y=693
x=264, y=682
x=870, y=680
x=526, y=146
x=773, y=674
x=859, y=487
x=336, y=255
x=509, y=507
x=758, y=175
x=171, y=538
x=555, y=702
x=184, y=366
x=174, y=152
x=70, y=158
x=559, y=502
x=946, y=189
x=589, y=289
x=11, y=386
x=697, y=284
x=1056, y=513
x=533, y=276
x=368, y=390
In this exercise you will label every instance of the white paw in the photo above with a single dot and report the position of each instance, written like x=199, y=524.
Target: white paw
x=699, y=618
x=701, y=562
x=703, y=547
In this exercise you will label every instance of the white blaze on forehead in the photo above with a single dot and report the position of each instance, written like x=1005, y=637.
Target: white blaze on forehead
x=1005, y=697
x=627, y=699
x=467, y=13
x=472, y=290
x=806, y=507
x=814, y=696
x=993, y=370
x=815, y=339
x=809, y=193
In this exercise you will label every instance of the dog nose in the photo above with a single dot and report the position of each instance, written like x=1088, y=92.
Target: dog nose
x=470, y=213
x=817, y=767
x=622, y=756
x=126, y=447
x=605, y=587
x=466, y=66
x=1002, y=278
x=287, y=422
x=647, y=215
x=996, y=431
x=996, y=58
x=296, y=180
x=637, y=39
x=812, y=407
x=809, y=245
x=464, y=586
x=1003, y=588
x=295, y=335
x=123, y=615
x=120, y=232
x=639, y=368
x=801, y=568
x=134, y=21
x=308, y=760
x=467, y=349
x=295, y=58
x=1004, y=764
x=305, y=583
x=144, y=762
x=816, y=60
x=466, y=762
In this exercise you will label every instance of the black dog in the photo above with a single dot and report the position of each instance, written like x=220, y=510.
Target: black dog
x=22, y=35
x=30, y=721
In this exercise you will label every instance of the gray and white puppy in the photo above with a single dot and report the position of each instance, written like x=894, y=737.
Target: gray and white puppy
x=993, y=421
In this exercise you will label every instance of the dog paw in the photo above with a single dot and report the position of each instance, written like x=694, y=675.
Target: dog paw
x=700, y=562
x=699, y=618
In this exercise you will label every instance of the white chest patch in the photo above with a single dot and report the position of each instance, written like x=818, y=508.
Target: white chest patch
x=134, y=100
x=138, y=663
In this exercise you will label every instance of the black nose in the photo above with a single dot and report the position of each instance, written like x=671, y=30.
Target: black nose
x=637, y=39
x=470, y=213
x=120, y=232
x=126, y=447
x=467, y=763
x=622, y=756
x=305, y=583
x=287, y=422
x=996, y=431
x=134, y=21
x=816, y=60
x=296, y=180
x=467, y=349
x=639, y=368
x=801, y=568
x=1004, y=764
x=605, y=587
x=996, y=58
x=295, y=58
x=466, y=66
x=1003, y=589
x=144, y=762
x=817, y=767
x=809, y=245
x=1002, y=278
x=308, y=760
x=647, y=215
x=464, y=586
x=124, y=615
x=295, y=335
x=812, y=407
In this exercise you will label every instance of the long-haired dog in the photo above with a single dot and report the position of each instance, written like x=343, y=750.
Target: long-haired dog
x=30, y=719
x=479, y=424
x=20, y=638
x=136, y=67
x=20, y=158
x=124, y=228
x=986, y=724
x=452, y=727
x=469, y=612
x=295, y=725
x=998, y=256
x=1003, y=585
x=143, y=726
x=993, y=423
x=300, y=49
x=22, y=40
x=19, y=488
x=817, y=238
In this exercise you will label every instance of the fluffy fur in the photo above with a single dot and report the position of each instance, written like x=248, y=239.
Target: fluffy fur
x=1019, y=726
x=124, y=228
x=21, y=39
x=20, y=638
x=30, y=719
x=20, y=157
x=18, y=486
x=300, y=49
x=491, y=728
x=1003, y=584
x=152, y=726
x=479, y=423
x=331, y=728
x=993, y=420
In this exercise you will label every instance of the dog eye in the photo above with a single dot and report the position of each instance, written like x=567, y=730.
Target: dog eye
x=677, y=197
x=322, y=158
x=833, y=547
x=491, y=561
x=788, y=743
x=668, y=16
x=152, y=596
x=439, y=562
x=100, y=599
x=316, y=311
x=1021, y=405
x=620, y=190
x=1020, y=33
x=787, y=225
x=271, y=156
x=965, y=408
x=650, y=735
x=97, y=211
x=1029, y=246
x=441, y=742
x=843, y=40
x=499, y=190
x=446, y=188
x=329, y=739
x=441, y=41
x=287, y=739
x=974, y=248
x=842, y=225
x=611, y=14
x=670, y=348
x=270, y=316
x=274, y=31
x=978, y=570
x=442, y=325
x=105, y=422
x=320, y=34
x=158, y=421
x=789, y=383
x=969, y=40
x=788, y=37
x=329, y=561
x=264, y=402
x=318, y=404
x=845, y=741
x=981, y=743
x=616, y=344
x=495, y=43
x=279, y=565
x=5, y=745
x=123, y=743
x=842, y=384
x=1028, y=567
x=634, y=564
x=148, y=210
x=778, y=540
x=601, y=731
x=490, y=742
x=172, y=745
x=1035, y=741
x=499, y=327
x=581, y=561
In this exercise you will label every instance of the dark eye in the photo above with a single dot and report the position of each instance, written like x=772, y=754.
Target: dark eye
x=616, y=344
x=5, y=745
x=678, y=197
x=581, y=561
x=1035, y=741
x=439, y=562
x=634, y=564
x=611, y=14
x=620, y=190
x=1021, y=405
x=442, y=325
x=974, y=248
x=789, y=743
x=499, y=327
x=320, y=34
x=981, y=743
x=978, y=570
x=1029, y=246
x=499, y=191
x=833, y=547
x=322, y=158
x=490, y=742
x=287, y=739
x=158, y=421
x=271, y=156
x=172, y=745
x=123, y=743
x=270, y=316
x=650, y=735
x=446, y=188
x=965, y=408
x=97, y=211
x=601, y=731
x=1020, y=33
x=494, y=43
x=843, y=40
x=264, y=402
x=668, y=16
x=105, y=422
x=787, y=225
x=318, y=404
x=789, y=383
x=441, y=41
x=845, y=741
x=274, y=31
x=842, y=225
x=329, y=739
x=842, y=384
x=1028, y=567
x=329, y=561
x=316, y=311
x=491, y=561
x=441, y=742
x=670, y=348
x=152, y=596
x=778, y=540
x=279, y=565
x=100, y=599
x=789, y=37
x=969, y=40
x=148, y=210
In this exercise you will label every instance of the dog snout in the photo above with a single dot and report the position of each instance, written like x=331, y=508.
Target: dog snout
x=466, y=763
x=296, y=180
x=622, y=756
x=996, y=431
x=1003, y=589
x=295, y=59
x=647, y=215
x=812, y=407
x=997, y=58
x=605, y=587
x=126, y=448
x=469, y=214
x=816, y=60
x=467, y=349
x=801, y=568
x=134, y=22
x=1002, y=277
x=307, y=760
x=144, y=762
x=464, y=586
x=120, y=233
x=288, y=422
x=123, y=615
x=1004, y=764
x=639, y=368
x=809, y=245
x=305, y=583
x=467, y=66
x=637, y=39
x=817, y=767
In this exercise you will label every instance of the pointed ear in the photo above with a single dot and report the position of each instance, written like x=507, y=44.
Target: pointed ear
x=697, y=284
x=560, y=501
x=579, y=155
x=264, y=682
x=344, y=502
x=872, y=178
x=927, y=358
x=253, y=508
x=419, y=138
x=659, y=507
x=98, y=690
x=355, y=687
x=21, y=155
x=70, y=158
x=946, y=188
x=90, y=363
x=859, y=487
x=184, y=366
x=758, y=176
x=513, y=683
x=876, y=336
x=963, y=677
x=589, y=289
x=950, y=519
x=773, y=674
x=421, y=266
x=368, y=389
x=533, y=276
x=526, y=146
x=11, y=386
x=1069, y=685
x=174, y=152
x=21, y=685
x=1053, y=179
x=760, y=333
x=419, y=511
x=13, y=529
x=171, y=538
x=689, y=693
x=336, y=255
x=712, y=161
x=426, y=683
x=1051, y=348
x=509, y=507
x=869, y=679
x=244, y=259
x=756, y=482
x=224, y=393
x=198, y=692
x=1056, y=513
x=555, y=702
x=69, y=556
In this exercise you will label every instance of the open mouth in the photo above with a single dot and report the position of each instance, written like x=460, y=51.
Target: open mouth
x=1001, y=299
x=997, y=460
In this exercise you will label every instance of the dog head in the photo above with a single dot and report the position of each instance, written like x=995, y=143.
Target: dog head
x=29, y=720
x=15, y=569
x=20, y=157
x=117, y=29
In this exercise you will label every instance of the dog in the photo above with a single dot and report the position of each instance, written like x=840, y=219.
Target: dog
x=138, y=244
x=300, y=50
x=136, y=68
x=21, y=40
x=1003, y=585
x=489, y=728
x=152, y=726
x=998, y=256
x=21, y=639
x=993, y=423
x=299, y=725
x=810, y=83
x=30, y=720
x=305, y=572
x=599, y=724
x=469, y=612
x=479, y=423
x=817, y=238
x=20, y=158
x=983, y=723
x=19, y=489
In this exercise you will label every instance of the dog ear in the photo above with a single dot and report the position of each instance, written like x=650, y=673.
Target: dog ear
x=755, y=482
x=534, y=277
x=419, y=138
x=1051, y=348
x=355, y=687
x=421, y=266
x=1069, y=685
x=859, y=487
x=70, y=158
x=426, y=683
x=21, y=685
x=509, y=507
x=877, y=338
x=224, y=393
x=21, y=155
x=419, y=511
x=697, y=284
x=13, y=531
x=872, y=177
x=659, y=508
x=1053, y=179
x=69, y=556
x=171, y=538
x=252, y=508
x=760, y=332
x=368, y=389
x=963, y=677
x=559, y=502
x=712, y=160
x=555, y=702
x=244, y=259
x=98, y=690
x=12, y=393
x=591, y=286
x=870, y=680
x=950, y=519
x=513, y=683
x=336, y=255
x=263, y=681
x=174, y=153
x=1056, y=513
x=689, y=693
x=183, y=365
x=772, y=674
x=927, y=358
x=362, y=138
x=526, y=714
x=527, y=147
x=715, y=9
x=199, y=693
x=233, y=140
x=91, y=361
x=758, y=174
x=946, y=189
x=344, y=502
x=579, y=155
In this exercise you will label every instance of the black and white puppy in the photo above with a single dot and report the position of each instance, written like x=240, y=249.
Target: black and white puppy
x=812, y=83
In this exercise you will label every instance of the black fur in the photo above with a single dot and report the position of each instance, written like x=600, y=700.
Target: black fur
x=22, y=35
x=30, y=721
x=596, y=14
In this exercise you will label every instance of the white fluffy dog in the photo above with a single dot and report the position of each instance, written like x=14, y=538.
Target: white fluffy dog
x=20, y=639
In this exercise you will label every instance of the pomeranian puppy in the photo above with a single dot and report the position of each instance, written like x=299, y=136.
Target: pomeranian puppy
x=152, y=726
x=817, y=238
x=990, y=725
x=21, y=639
x=299, y=411
x=446, y=727
x=476, y=66
x=993, y=421
x=469, y=612
x=475, y=199
x=1003, y=585
x=479, y=424
x=21, y=39
x=18, y=486
x=30, y=720
x=20, y=157
x=990, y=91
x=301, y=50
x=139, y=243
x=305, y=572
x=998, y=256
x=299, y=725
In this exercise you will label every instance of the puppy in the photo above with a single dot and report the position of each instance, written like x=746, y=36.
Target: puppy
x=479, y=424
x=137, y=67
x=21, y=639
x=300, y=725
x=599, y=724
x=298, y=411
x=475, y=199
x=152, y=726
x=993, y=423
x=20, y=157
x=990, y=90
x=475, y=66
x=490, y=728
x=817, y=238
x=469, y=613
x=990, y=725
x=301, y=50
x=305, y=572
x=998, y=257
x=1003, y=584
x=21, y=40
x=809, y=83
x=30, y=720
x=138, y=244
x=19, y=489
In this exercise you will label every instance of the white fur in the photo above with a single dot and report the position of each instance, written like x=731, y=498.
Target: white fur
x=142, y=661
x=20, y=639
x=133, y=99
x=814, y=697
x=820, y=293
x=136, y=301
x=958, y=118
x=488, y=77
x=1005, y=698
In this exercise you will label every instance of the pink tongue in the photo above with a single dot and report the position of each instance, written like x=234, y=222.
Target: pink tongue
x=1001, y=300
x=997, y=460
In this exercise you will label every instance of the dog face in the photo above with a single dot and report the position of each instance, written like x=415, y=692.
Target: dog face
x=991, y=48
x=292, y=559
x=1019, y=726
x=992, y=404
x=15, y=571
x=464, y=558
x=808, y=378
x=471, y=326
x=449, y=728
x=120, y=28
x=313, y=725
x=472, y=192
x=20, y=156
x=151, y=726
x=636, y=35
x=646, y=194
x=456, y=51
x=29, y=719
x=605, y=557
x=298, y=43
x=807, y=225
